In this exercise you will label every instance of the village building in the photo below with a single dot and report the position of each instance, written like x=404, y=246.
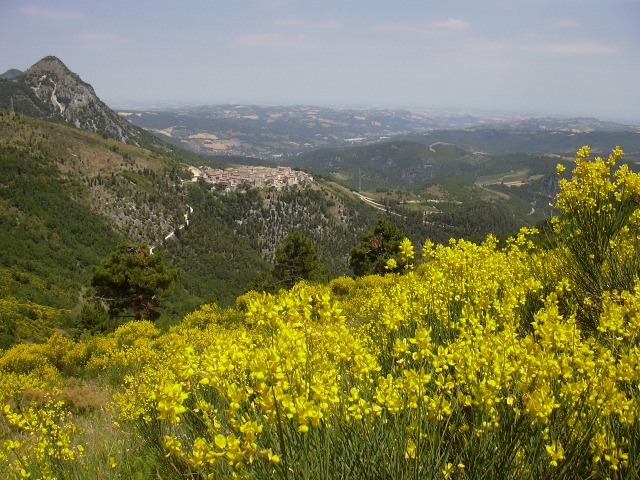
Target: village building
x=258, y=177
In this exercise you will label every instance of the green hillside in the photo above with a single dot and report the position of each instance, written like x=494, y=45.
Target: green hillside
x=497, y=141
x=442, y=178
x=48, y=230
x=403, y=164
x=387, y=165
x=69, y=197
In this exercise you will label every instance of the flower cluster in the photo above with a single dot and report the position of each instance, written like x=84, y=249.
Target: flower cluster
x=47, y=440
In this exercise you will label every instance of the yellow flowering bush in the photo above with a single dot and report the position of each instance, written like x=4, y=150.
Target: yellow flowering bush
x=598, y=224
x=123, y=352
x=26, y=366
x=46, y=443
x=475, y=347
x=29, y=320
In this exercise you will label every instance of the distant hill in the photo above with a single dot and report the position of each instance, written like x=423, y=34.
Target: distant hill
x=396, y=164
x=440, y=179
x=524, y=138
x=405, y=164
x=11, y=73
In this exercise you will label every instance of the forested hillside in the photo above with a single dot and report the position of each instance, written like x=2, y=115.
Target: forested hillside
x=232, y=237
x=69, y=197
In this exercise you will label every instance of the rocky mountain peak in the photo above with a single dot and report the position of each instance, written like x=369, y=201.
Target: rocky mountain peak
x=49, y=64
x=49, y=90
x=63, y=91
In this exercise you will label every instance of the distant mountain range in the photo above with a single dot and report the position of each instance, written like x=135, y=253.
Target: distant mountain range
x=271, y=133
x=49, y=90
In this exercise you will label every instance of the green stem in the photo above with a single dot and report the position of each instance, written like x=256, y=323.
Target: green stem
x=285, y=467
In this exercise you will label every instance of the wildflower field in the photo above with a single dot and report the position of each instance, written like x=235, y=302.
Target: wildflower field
x=493, y=360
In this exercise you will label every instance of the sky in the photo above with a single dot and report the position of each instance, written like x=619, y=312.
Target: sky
x=543, y=57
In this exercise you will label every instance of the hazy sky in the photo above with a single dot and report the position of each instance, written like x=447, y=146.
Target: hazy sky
x=570, y=57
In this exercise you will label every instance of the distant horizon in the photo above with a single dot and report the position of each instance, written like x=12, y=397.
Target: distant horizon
x=569, y=58
x=119, y=104
x=511, y=114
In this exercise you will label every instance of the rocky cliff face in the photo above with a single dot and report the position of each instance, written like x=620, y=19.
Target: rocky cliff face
x=51, y=91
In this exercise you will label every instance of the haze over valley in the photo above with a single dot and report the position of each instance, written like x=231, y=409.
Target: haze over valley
x=281, y=131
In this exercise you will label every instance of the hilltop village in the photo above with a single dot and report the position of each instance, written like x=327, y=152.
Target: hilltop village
x=258, y=177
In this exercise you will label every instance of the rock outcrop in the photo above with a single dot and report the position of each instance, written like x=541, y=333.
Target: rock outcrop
x=49, y=90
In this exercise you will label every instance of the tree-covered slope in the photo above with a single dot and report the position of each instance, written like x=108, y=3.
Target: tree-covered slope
x=389, y=164
x=69, y=197
x=46, y=231
x=404, y=164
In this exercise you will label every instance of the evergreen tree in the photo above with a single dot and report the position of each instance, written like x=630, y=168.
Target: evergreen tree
x=377, y=247
x=133, y=279
x=296, y=260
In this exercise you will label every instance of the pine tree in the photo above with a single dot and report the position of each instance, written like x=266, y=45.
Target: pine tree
x=296, y=260
x=133, y=279
x=378, y=246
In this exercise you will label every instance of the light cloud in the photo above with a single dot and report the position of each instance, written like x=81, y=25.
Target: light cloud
x=297, y=22
x=102, y=37
x=451, y=24
x=538, y=46
x=573, y=48
x=50, y=13
x=275, y=40
x=566, y=24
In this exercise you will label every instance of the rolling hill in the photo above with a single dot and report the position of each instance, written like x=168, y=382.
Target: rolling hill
x=69, y=193
x=68, y=197
x=276, y=132
x=563, y=139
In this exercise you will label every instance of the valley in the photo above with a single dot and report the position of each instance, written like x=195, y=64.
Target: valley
x=70, y=196
x=274, y=133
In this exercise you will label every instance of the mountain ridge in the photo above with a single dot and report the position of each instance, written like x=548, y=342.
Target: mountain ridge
x=275, y=132
x=49, y=90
